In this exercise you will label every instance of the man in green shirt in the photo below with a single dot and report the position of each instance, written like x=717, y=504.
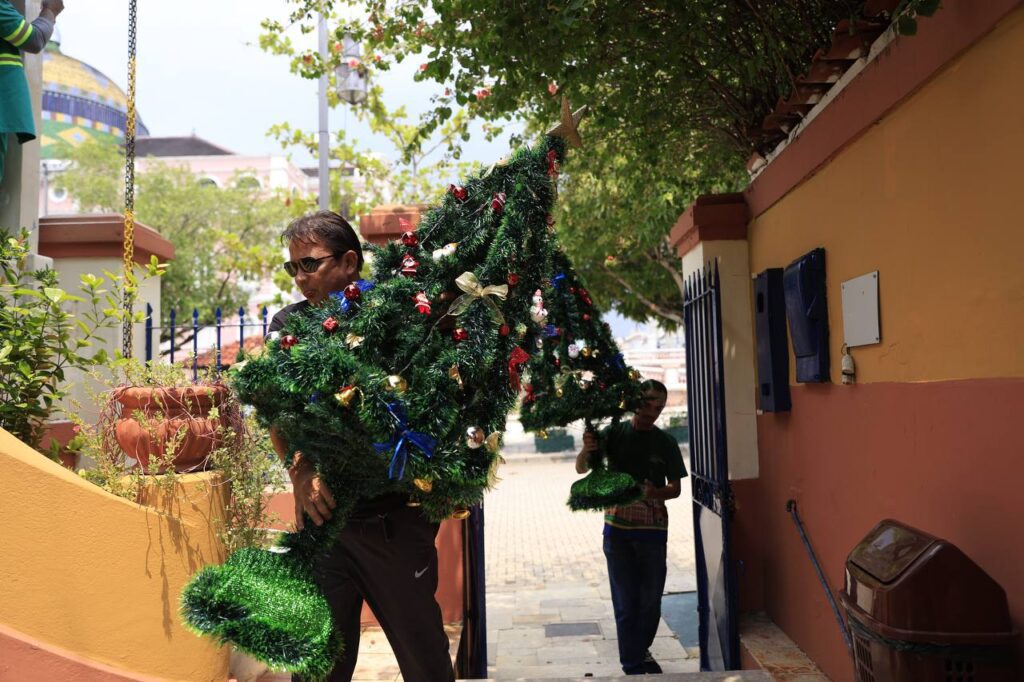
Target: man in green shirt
x=18, y=36
x=636, y=535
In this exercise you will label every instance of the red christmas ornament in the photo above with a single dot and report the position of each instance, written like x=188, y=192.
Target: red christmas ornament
x=330, y=324
x=504, y=330
x=458, y=192
x=572, y=290
x=552, y=159
x=460, y=334
x=498, y=202
x=409, y=265
x=288, y=341
x=353, y=292
x=558, y=362
x=530, y=397
x=410, y=239
x=513, y=279
x=515, y=362
x=422, y=303
x=586, y=317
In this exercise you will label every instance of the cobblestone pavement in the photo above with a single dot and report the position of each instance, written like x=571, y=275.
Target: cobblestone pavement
x=545, y=566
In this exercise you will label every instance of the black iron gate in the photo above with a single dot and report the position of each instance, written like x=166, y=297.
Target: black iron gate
x=709, y=471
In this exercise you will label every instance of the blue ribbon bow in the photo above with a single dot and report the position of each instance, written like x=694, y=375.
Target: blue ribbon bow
x=618, y=362
x=400, y=441
x=557, y=280
x=551, y=330
x=364, y=285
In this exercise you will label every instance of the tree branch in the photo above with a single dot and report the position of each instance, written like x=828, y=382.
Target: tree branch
x=659, y=310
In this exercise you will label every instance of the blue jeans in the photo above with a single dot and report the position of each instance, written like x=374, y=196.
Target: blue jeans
x=636, y=571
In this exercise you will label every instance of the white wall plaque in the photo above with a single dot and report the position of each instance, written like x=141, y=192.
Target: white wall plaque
x=860, y=310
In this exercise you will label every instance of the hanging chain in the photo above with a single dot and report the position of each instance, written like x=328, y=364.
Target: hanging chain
x=129, y=190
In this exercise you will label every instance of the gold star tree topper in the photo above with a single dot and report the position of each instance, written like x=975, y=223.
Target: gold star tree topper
x=568, y=126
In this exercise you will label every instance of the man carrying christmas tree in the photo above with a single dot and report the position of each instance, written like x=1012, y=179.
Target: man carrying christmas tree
x=385, y=554
x=636, y=535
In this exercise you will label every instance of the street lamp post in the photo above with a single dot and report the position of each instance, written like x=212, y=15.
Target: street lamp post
x=324, y=150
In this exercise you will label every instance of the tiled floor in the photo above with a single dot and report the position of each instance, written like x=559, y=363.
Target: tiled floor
x=376, y=659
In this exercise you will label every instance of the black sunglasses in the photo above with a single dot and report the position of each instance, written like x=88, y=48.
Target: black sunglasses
x=307, y=264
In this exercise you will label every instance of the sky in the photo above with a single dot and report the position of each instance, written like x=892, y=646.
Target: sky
x=200, y=69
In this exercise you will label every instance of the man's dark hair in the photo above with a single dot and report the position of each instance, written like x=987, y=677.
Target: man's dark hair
x=327, y=228
x=654, y=385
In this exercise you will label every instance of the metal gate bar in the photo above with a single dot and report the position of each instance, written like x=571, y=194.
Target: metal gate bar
x=709, y=470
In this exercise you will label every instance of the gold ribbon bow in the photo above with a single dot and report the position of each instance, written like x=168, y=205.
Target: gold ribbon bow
x=468, y=282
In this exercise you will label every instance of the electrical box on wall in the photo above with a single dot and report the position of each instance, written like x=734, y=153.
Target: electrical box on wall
x=807, y=312
x=772, y=353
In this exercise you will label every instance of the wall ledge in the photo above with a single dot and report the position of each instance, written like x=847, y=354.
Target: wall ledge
x=99, y=236
x=711, y=217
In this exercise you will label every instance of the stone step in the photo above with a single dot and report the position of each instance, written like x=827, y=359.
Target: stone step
x=732, y=676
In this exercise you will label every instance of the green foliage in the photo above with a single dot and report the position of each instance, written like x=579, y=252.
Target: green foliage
x=222, y=237
x=677, y=93
x=44, y=331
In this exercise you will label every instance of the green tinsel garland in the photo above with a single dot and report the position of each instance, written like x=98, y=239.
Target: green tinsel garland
x=364, y=349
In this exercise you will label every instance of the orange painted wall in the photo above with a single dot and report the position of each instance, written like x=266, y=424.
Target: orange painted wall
x=97, y=577
x=929, y=197
x=932, y=434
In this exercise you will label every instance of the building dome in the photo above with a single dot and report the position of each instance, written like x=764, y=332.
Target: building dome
x=79, y=103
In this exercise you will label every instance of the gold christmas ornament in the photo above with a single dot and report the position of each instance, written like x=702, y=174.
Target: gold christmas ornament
x=413, y=502
x=585, y=352
x=559, y=393
x=396, y=384
x=543, y=434
x=347, y=395
x=492, y=473
x=475, y=437
x=453, y=372
x=460, y=513
x=493, y=443
x=474, y=291
x=353, y=340
x=596, y=353
x=423, y=484
x=567, y=127
x=634, y=375
x=622, y=404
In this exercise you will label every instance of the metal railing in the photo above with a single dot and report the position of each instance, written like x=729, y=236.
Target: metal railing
x=220, y=328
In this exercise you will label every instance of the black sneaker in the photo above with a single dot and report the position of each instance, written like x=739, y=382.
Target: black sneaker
x=651, y=666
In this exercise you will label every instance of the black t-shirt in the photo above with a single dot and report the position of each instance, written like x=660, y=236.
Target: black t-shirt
x=364, y=508
x=277, y=323
x=645, y=455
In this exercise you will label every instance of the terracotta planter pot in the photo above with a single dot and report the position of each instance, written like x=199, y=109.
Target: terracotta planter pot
x=183, y=414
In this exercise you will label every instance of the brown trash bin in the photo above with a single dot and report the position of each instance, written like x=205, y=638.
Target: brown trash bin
x=919, y=609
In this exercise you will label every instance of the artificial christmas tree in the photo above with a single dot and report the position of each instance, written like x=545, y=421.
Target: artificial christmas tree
x=401, y=384
x=577, y=372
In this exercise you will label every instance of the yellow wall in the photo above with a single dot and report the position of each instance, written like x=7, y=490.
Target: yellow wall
x=930, y=197
x=100, y=576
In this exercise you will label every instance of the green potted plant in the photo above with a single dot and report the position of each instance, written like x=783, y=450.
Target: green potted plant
x=159, y=417
x=44, y=332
